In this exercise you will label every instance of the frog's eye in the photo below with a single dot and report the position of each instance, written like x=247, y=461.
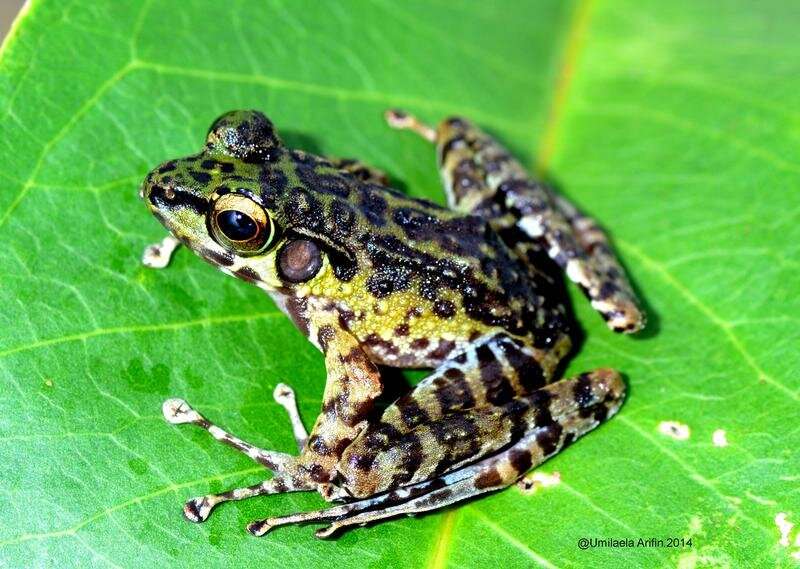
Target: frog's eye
x=237, y=222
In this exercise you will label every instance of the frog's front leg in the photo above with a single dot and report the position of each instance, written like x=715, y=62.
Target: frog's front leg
x=352, y=386
x=177, y=411
x=158, y=255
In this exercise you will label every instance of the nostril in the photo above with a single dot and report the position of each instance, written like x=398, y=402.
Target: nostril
x=157, y=190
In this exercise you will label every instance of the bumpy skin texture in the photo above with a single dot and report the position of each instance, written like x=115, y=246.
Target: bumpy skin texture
x=372, y=276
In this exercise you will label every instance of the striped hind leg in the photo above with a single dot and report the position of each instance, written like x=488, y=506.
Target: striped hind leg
x=482, y=178
x=552, y=418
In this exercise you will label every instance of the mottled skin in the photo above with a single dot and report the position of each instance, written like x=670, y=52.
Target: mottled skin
x=372, y=276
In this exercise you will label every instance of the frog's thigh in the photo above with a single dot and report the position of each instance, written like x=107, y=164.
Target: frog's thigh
x=458, y=414
x=353, y=384
x=490, y=371
x=360, y=170
x=551, y=418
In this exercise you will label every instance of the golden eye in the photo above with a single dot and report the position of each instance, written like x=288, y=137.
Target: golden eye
x=239, y=223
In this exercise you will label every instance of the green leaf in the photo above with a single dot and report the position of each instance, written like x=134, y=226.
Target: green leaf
x=675, y=123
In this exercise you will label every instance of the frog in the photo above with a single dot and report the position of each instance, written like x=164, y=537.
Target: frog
x=473, y=291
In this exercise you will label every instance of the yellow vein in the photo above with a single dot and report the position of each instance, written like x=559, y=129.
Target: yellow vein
x=441, y=546
x=576, y=31
x=72, y=530
x=13, y=32
x=726, y=327
x=566, y=71
x=137, y=329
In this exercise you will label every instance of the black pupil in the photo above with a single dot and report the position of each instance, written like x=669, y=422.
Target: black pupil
x=236, y=225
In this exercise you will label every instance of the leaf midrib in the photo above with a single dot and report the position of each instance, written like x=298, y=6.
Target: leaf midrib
x=542, y=154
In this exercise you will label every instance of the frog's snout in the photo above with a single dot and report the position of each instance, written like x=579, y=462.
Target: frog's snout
x=146, y=186
x=157, y=189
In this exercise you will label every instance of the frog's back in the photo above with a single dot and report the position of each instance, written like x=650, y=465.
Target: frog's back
x=414, y=280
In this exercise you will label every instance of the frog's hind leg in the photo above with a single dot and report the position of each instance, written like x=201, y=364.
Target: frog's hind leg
x=482, y=178
x=549, y=420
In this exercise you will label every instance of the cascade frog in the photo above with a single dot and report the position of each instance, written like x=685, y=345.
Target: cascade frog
x=373, y=277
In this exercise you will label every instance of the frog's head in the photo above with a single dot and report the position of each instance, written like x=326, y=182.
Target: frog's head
x=215, y=203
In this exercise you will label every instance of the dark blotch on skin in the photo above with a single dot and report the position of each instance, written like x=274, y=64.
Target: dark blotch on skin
x=296, y=308
x=444, y=309
x=169, y=199
x=443, y=349
x=548, y=438
x=454, y=142
x=540, y=400
x=453, y=391
x=488, y=479
x=387, y=280
x=325, y=335
x=361, y=462
x=420, y=343
x=299, y=260
x=168, y=166
x=583, y=391
x=498, y=388
x=222, y=259
x=529, y=372
x=600, y=413
x=247, y=274
x=520, y=460
x=373, y=206
x=200, y=177
x=411, y=413
x=414, y=454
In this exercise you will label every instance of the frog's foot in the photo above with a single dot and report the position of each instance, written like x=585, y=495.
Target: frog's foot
x=177, y=412
x=401, y=120
x=158, y=255
x=284, y=396
x=553, y=417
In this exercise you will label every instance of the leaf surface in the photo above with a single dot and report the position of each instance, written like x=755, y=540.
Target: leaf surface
x=676, y=124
